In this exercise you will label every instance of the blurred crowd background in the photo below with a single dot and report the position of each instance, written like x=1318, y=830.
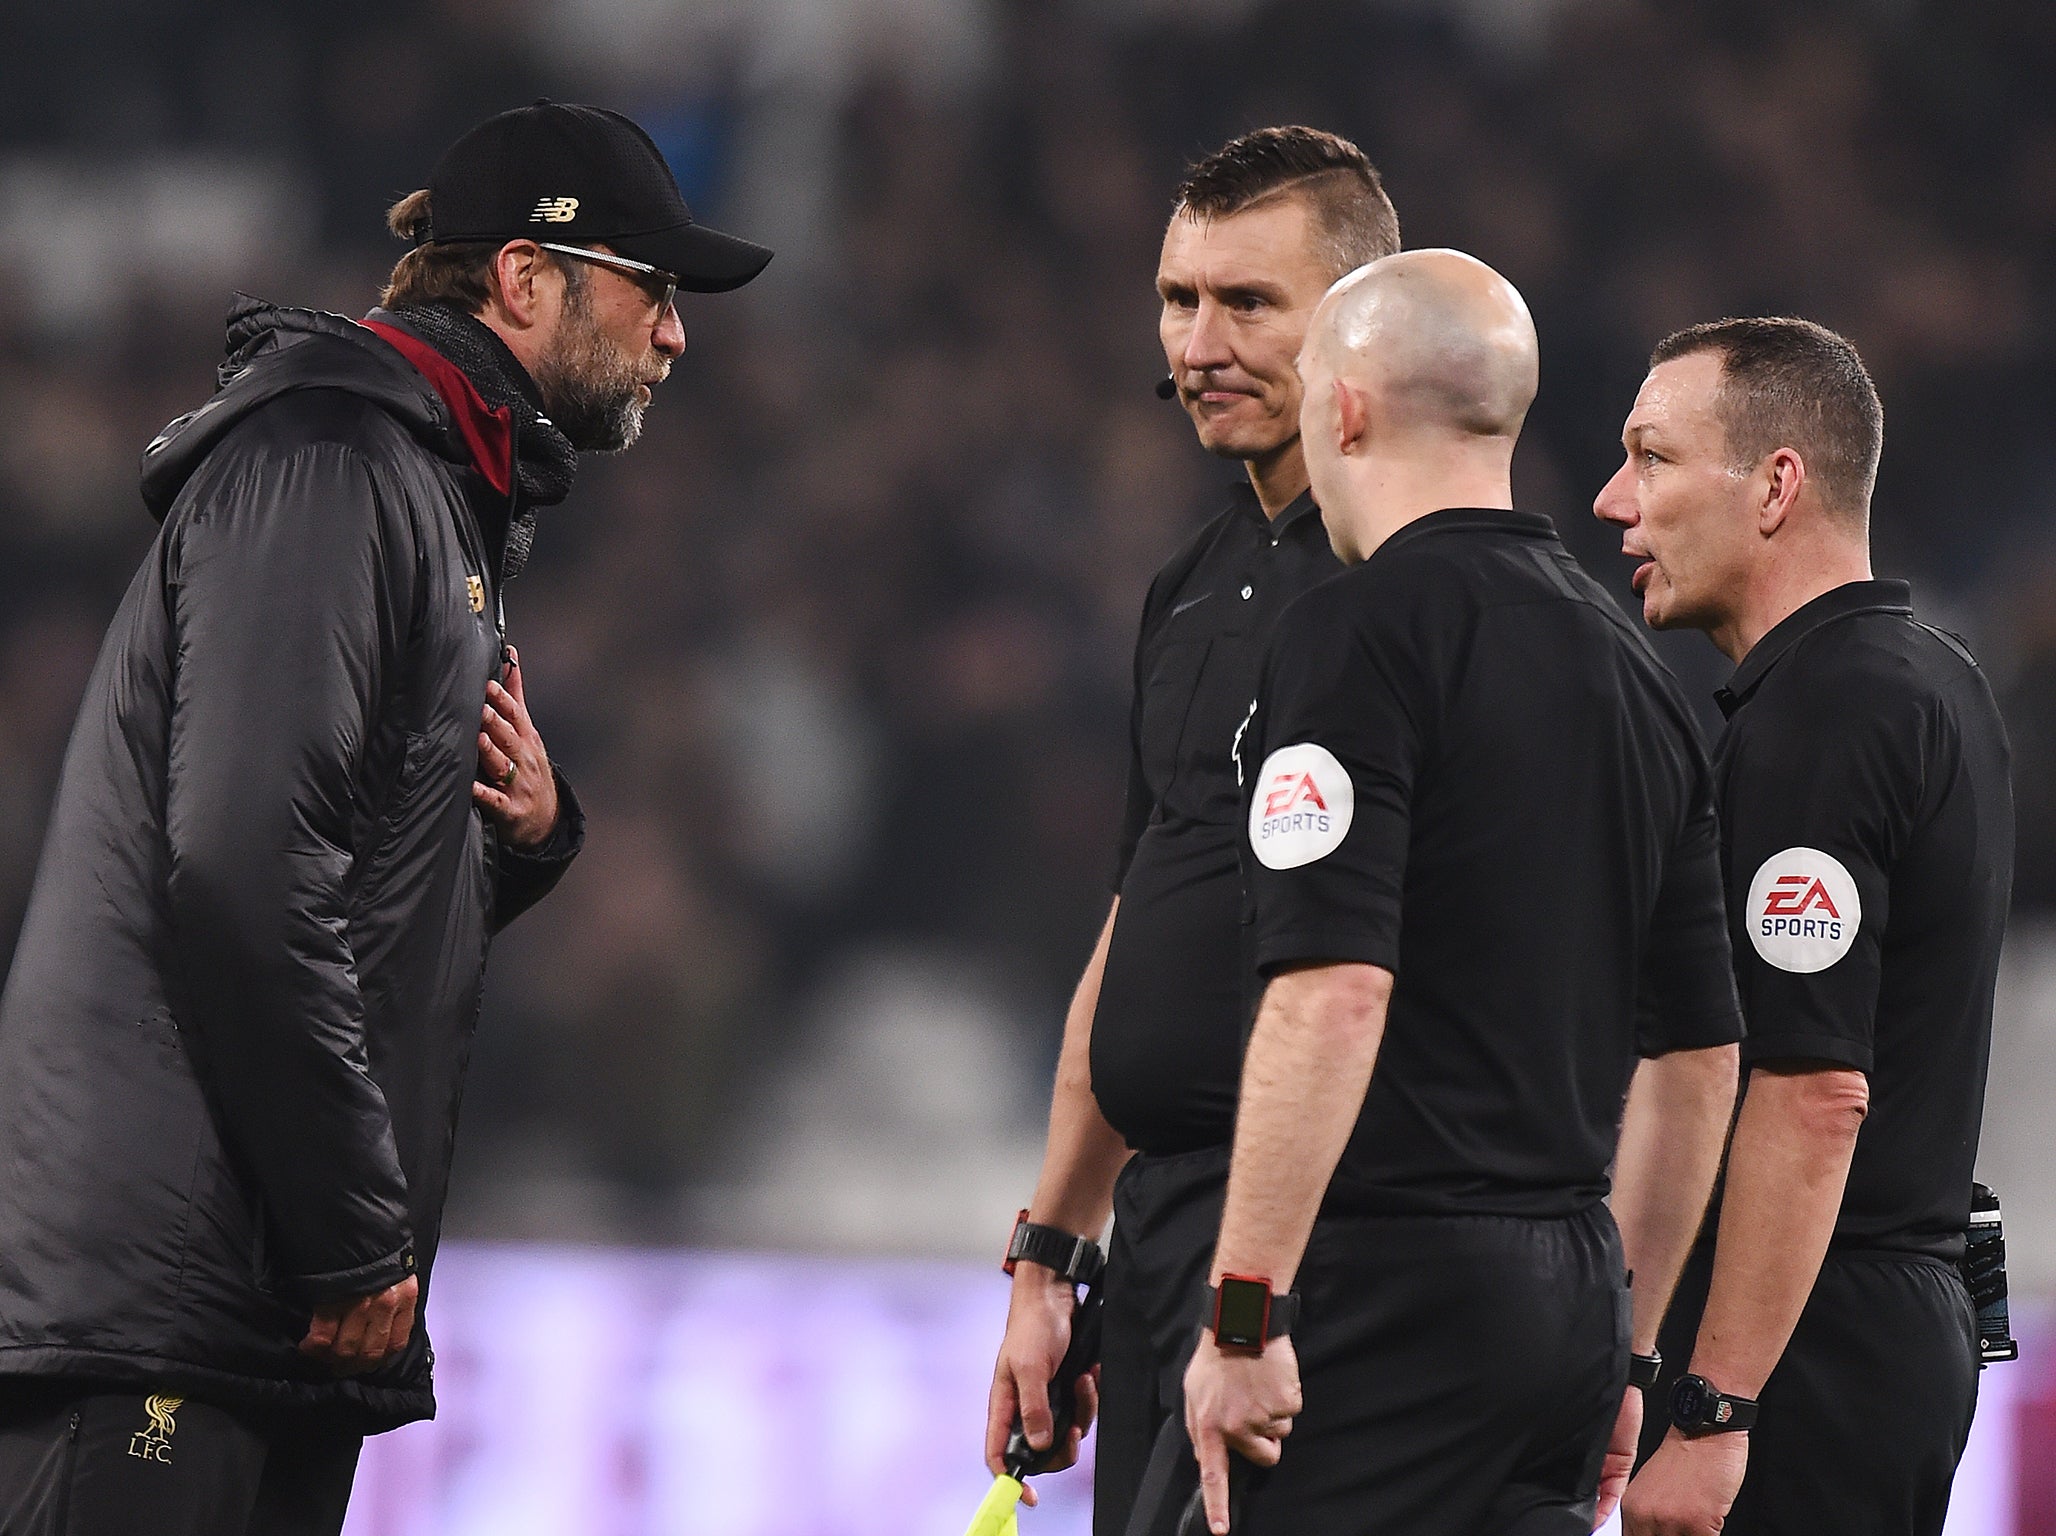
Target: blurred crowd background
x=839, y=656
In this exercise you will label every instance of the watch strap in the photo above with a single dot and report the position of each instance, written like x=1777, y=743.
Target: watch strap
x=1074, y=1258
x=1643, y=1370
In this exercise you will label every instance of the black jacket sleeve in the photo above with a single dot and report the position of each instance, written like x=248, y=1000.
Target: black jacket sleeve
x=523, y=877
x=290, y=597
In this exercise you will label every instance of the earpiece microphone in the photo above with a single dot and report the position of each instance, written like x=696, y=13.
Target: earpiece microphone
x=1167, y=388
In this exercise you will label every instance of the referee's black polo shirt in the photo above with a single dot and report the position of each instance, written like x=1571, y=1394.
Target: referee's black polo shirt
x=1468, y=767
x=1167, y=1039
x=1867, y=835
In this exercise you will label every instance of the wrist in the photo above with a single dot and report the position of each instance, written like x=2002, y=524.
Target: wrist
x=532, y=842
x=1031, y=1278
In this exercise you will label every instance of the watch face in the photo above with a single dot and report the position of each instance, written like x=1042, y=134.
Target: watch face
x=1688, y=1401
x=1245, y=1307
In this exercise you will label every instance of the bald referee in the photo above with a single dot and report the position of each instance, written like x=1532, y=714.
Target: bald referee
x=1484, y=875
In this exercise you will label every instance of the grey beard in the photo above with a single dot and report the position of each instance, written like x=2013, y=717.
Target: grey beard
x=597, y=415
x=588, y=389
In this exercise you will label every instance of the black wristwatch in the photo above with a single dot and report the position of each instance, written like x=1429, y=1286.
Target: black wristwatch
x=1244, y=1315
x=1644, y=1369
x=1698, y=1407
x=1074, y=1258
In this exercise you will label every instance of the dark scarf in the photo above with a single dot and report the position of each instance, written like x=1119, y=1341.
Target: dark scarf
x=544, y=460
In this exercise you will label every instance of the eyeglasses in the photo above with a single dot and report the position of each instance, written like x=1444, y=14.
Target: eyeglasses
x=655, y=281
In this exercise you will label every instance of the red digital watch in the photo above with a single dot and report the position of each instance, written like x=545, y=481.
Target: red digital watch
x=1245, y=1315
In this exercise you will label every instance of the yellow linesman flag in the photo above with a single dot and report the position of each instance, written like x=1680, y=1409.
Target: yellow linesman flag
x=996, y=1515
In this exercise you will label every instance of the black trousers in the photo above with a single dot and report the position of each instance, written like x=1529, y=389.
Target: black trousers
x=1866, y=1416
x=1461, y=1373
x=78, y=1461
x=1167, y=1213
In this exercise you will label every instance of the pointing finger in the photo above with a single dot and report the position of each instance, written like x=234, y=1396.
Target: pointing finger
x=1212, y=1453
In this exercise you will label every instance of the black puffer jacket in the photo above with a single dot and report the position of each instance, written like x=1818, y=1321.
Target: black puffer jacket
x=234, y=1037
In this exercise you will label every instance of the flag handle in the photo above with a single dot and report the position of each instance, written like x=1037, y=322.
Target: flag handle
x=1022, y=1459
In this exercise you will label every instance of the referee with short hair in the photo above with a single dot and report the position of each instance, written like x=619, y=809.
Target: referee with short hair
x=1867, y=837
x=1484, y=879
x=1144, y=1100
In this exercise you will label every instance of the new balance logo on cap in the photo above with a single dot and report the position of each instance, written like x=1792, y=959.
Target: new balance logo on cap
x=555, y=210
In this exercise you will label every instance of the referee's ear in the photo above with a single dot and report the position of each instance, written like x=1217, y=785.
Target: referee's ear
x=1352, y=414
x=1785, y=478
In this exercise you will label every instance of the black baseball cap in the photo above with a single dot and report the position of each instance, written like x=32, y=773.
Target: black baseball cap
x=582, y=176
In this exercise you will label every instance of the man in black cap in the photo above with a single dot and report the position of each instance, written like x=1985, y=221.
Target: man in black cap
x=303, y=790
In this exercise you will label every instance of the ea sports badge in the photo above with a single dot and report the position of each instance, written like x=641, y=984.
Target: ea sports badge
x=1302, y=806
x=1803, y=910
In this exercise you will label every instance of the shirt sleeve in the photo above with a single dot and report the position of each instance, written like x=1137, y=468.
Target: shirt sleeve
x=1342, y=714
x=1823, y=792
x=1687, y=999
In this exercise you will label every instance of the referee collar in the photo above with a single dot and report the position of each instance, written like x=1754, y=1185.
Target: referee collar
x=1841, y=602
x=1469, y=519
x=1295, y=509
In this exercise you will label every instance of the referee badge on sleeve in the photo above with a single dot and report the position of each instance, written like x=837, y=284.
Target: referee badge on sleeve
x=1803, y=910
x=1302, y=806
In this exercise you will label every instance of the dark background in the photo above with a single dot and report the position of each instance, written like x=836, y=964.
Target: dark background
x=838, y=656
